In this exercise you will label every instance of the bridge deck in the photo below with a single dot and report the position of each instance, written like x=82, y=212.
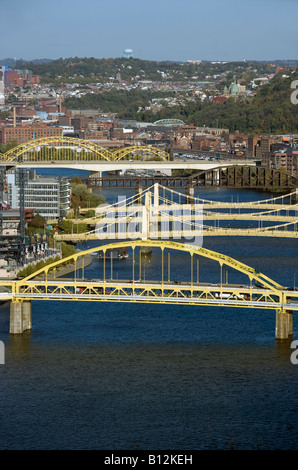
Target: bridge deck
x=174, y=292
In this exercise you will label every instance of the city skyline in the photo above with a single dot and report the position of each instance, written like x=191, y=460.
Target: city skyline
x=167, y=30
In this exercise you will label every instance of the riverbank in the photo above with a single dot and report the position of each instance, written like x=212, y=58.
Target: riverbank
x=60, y=271
x=64, y=270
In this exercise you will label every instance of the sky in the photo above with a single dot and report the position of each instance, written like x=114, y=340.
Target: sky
x=177, y=30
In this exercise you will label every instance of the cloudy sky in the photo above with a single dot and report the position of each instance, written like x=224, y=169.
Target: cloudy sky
x=153, y=29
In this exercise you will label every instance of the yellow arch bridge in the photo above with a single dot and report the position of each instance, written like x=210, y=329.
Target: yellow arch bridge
x=59, y=148
x=255, y=291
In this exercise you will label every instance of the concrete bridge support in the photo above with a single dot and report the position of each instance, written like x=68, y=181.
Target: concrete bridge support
x=138, y=192
x=96, y=175
x=189, y=193
x=284, y=324
x=294, y=197
x=20, y=317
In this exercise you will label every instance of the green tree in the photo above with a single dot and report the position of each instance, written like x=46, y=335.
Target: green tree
x=38, y=221
x=94, y=200
x=67, y=250
x=75, y=180
x=10, y=145
x=79, y=189
x=68, y=226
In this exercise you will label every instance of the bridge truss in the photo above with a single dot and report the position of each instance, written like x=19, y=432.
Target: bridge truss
x=236, y=177
x=245, y=177
x=250, y=288
x=68, y=149
x=254, y=290
x=169, y=122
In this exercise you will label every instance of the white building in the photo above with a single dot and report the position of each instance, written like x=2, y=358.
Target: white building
x=2, y=90
x=48, y=197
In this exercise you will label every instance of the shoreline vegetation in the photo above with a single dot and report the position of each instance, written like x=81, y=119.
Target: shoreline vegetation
x=66, y=250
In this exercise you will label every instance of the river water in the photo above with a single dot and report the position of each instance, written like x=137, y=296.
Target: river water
x=129, y=376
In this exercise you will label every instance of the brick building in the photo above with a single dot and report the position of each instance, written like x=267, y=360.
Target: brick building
x=287, y=160
x=206, y=142
x=25, y=132
x=23, y=112
x=253, y=144
x=238, y=142
x=20, y=77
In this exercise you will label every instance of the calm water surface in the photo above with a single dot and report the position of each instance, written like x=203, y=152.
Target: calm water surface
x=129, y=376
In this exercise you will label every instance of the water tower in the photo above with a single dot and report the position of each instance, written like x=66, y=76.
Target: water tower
x=128, y=53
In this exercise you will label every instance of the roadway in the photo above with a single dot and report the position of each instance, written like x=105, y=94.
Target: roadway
x=106, y=166
x=173, y=292
x=180, y=234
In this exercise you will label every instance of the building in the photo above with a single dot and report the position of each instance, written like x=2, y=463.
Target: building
x=286, y=160
x=11, y=220
x=2, y=87
x=235, y=88
x=253, y=144
x=20, y=77
x=264, y=144
x=48, y=197
x=24, y=132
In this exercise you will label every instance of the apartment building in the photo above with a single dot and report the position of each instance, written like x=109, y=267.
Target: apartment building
x=286, y=159
x=20, y=77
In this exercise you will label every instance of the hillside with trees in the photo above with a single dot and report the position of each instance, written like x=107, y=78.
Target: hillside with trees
x=125, y=103
x=131, y=69
x=269, y=110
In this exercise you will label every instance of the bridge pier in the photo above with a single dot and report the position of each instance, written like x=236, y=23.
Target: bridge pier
x=20, y=317
x=284, y=324
x=138, y=192
x=96, y=175
x=294, y=197
x=189, y=193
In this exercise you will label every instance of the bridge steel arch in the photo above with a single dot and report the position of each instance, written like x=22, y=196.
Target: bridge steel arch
x=31, y=150
x=145, y=152
x=169, y=122
x=44, y=285
x=71, y=150
x=222, y=259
